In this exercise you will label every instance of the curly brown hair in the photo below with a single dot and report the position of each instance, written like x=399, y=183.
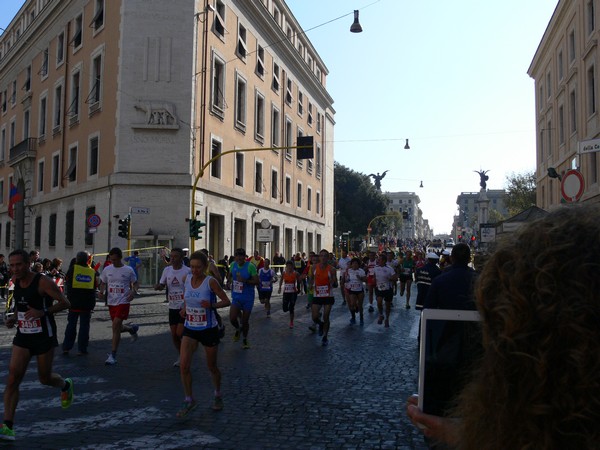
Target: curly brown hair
x=538, y=384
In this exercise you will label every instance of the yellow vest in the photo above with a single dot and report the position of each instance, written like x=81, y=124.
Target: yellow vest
x=83, y=277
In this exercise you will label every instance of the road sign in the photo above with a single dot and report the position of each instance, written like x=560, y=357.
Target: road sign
x=93, y=221
x=139, y=210
x=593, y=145
x=572, y=185
x=92, y=230
x=263, y=235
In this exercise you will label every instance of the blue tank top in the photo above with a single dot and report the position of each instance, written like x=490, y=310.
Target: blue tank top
x=265, y=278
x=196, y=317
x=241, y=291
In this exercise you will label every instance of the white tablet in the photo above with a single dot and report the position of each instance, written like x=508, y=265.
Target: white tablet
x=450, y=344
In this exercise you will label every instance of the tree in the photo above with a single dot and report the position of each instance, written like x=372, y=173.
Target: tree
x=357, y=201
x=520, y=193
x=495, y=216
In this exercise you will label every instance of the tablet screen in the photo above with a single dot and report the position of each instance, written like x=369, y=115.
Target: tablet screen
x=450, y=344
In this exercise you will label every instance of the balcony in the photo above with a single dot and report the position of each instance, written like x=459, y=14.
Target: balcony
x=23, y=150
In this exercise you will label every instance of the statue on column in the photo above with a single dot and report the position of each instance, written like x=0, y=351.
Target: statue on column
x=377, y=179
x=482, y=178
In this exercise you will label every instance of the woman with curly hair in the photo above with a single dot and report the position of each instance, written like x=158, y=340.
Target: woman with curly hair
x=538, y=383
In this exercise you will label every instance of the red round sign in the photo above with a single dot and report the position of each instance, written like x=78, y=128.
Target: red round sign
x=572, y=185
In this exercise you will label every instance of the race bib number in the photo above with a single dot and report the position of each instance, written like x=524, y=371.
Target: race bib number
x=322, y=291
x=175, y=296
x=238, y=287
x=355, y=286
x=266, y=285
x=382, y=286
x=289, y=288
x=29, y=326
x=195, y=317
x=406, y=271
x=116, y=288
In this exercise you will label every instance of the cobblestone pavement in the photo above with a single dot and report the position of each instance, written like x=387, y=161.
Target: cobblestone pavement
x=285, y=392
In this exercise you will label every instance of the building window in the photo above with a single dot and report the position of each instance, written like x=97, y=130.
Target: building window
x=309, y=199
x=57, y=109
x=289, y=138
x=26, y=116
x=13, y=95
x=548, y=85
x=275, y=84
x=73, y=111
x=218, y=86
x=549, y=128
x=288, y=190
x=12, y=137
x=37, y=239
x=259, y=117
x=219, y=23
x=52, y=230
x=69, y=225
x=2, y=144
x=215, y=150
x=42, y=123
x=55, y=170
x=239, y=169
x=561, y=124
x=300, y=162
x=300, y=103
x=77, y=32
x=89, y=237
x=2, y=191
x=310, y=114
x=242, y=48
x=93, y=156
x=319, y=122
x=288, y=92
x=240, y=102
x=260, y=61
x=318, y=160
x=95, y=94
x=40, y=176
x=299, y=195
x=560, y=65
x=60, y=48
x=591, y=85
x=593, y=167
x=542, y=144
x=44, y=69
x=318, y=202
x=572, y=46
x=71, y=174
x=4, y=100
x=258, y=177
x=572, y=112
x=27, y=84
x=275, y=127
x=98, y=20
x=274, y=184
x=591, y=19
x=7, y=236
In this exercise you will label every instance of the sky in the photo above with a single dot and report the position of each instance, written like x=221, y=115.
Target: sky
x=450, y=76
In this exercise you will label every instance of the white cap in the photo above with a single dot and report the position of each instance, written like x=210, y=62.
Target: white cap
x=185, y=249
x=432, y=255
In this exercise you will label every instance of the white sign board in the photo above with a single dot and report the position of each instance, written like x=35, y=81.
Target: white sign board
x=487, y=232
x=265, y=235
x=593, y=145
x=139, y=210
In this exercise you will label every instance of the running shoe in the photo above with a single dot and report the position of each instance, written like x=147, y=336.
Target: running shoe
x=66, y=397
x=387, y=323
x=352, y=321
x=134, y=331
x=362, y=321
x=246, y=345
x=176, y=363
x=269, y=313
x=111, y=360
x=291, y=324
x=380, y=320
x=236, y=336
x=186, y=407
x=308, y=306
x=6, y=433
x=325, y=342
x=217, y=403
x=407, y=306
x=371, y=309
x=312, y=328
x=320, y=328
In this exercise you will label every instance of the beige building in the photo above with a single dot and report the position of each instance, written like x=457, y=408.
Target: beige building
x=113, y=107
x=414, y=226
x=565, y=69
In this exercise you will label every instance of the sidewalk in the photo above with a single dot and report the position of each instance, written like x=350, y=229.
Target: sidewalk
x=285, y=392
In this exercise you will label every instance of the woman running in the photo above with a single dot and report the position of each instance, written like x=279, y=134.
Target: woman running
x=289, y=280
x=355, y=292
x=406, y=276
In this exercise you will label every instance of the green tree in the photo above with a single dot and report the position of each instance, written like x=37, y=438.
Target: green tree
x=495, y=216
x=520, y=192
x=356, y=201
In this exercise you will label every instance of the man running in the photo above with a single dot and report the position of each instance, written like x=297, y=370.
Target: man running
x=323, y=277
x=173, y=278
x=343, y=264
x=243, y=279
x=34, y=297
x=118, y=284
x=385, y=276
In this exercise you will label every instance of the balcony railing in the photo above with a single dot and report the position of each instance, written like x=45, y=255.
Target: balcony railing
x=24, y=149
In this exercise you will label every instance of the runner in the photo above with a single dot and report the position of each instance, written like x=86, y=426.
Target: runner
x=34, y=295
x=343, y=264
x=244, y=277
x=323, y=277
x=393, y=263
x=355, y=292
x=406, y=276
x=313, y=259
x=118, y=285
x=289, y=279
x=267, y=277
x=384, y=277
x=201, y=326
x=370, y=265
x=173, y=278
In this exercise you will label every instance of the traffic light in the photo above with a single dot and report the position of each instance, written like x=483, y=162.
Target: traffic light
x=196, y=228
x=460, y=238
x=305, y=147
x=473, y=238
x=124, y=227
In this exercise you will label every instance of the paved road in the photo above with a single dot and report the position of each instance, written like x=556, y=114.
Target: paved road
x=286, y=392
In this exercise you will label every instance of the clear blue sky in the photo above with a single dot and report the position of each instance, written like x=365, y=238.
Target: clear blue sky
x=450, y=76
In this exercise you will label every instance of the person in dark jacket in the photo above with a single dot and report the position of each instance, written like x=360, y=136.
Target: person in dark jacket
x=81, y=283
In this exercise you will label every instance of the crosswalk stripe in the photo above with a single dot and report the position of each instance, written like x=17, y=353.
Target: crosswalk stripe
x=86, y=397
x=98, y=421
x=165, y=441
x=31, y=385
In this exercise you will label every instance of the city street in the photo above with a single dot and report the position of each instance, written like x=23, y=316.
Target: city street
x=285, y=392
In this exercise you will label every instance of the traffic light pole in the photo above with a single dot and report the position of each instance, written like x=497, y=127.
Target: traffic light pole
x=200, y=174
